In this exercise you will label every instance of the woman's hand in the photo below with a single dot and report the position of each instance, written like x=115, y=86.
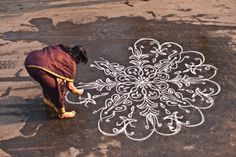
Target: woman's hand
x=73, y=89
x=79, y=92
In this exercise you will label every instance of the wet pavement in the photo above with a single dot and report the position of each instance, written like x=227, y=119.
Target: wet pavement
x=28, y=128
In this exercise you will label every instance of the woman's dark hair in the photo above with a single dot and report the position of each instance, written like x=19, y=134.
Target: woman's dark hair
x=77, y=52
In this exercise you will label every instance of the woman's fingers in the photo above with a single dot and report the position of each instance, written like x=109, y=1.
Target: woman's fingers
x=80, y=91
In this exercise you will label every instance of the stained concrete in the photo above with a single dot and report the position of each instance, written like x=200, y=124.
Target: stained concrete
x=30, y=130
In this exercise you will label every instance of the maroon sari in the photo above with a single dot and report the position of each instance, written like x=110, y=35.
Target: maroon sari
x=52, y=67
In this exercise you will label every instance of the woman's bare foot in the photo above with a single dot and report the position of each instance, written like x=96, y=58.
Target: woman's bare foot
x=67, y=115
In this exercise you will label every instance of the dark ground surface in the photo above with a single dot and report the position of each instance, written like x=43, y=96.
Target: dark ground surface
x=109, y=38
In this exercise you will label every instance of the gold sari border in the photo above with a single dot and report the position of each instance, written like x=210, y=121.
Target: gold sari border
x=51, y=72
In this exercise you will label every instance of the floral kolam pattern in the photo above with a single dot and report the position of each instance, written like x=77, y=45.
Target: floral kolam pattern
x=162, y=90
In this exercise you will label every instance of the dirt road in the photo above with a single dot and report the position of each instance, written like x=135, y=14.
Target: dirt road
x=107, y=28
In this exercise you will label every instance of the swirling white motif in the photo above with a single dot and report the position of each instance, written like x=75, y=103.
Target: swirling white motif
x=163, y=89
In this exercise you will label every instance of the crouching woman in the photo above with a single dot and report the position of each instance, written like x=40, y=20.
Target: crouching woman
x=54, y=68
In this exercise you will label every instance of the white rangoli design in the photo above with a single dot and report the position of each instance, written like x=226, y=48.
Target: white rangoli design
x=163, y=89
